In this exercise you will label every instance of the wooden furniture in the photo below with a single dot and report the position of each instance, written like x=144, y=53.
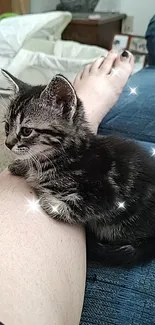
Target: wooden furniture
x=94, y=31
x=17, y=6
x=21, y=6
x=5, y=6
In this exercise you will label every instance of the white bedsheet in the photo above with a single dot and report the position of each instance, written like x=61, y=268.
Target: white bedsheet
x=31, y=49
x=16, y=31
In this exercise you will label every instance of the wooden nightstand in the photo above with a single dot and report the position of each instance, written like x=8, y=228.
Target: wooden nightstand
x=94, y=32
x=5, y=6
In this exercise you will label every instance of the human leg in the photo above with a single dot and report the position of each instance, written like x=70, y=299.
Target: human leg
x=42, y=275
x=100, y=84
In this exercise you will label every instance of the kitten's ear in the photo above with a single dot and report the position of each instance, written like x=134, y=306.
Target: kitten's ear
x=61, y=94
x=15, y=84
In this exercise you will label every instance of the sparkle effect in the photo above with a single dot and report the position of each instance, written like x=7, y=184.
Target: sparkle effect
x=55, y=208
x=33, y=205
x=115, y=72
x=121, y=205
x=133, y=91
x=153, y=152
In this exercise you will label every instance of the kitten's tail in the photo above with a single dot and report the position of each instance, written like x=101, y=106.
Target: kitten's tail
x=120, y=255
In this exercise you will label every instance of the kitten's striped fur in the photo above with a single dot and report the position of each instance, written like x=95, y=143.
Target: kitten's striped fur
x=81, y=175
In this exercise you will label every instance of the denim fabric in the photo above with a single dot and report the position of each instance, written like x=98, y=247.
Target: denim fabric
x=134, y=115
x=117, y=296
x=150, y=37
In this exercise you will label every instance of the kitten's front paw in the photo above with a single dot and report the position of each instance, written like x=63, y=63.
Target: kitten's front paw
x=49, y=208
x=56, y=209
x=17, y=168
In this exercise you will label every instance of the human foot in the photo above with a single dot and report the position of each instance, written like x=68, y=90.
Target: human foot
x=100, y=84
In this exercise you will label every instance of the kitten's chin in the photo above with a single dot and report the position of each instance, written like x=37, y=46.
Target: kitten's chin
x=22, y=153
x=22, y=156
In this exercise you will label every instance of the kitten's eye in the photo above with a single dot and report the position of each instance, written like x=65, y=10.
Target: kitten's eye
x=25, y=131
x=7, y=128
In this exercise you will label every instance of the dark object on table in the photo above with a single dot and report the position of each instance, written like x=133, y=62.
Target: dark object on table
x=77, y=5
x=99, y=31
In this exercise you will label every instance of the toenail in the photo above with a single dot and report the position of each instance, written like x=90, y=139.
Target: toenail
x=125, y=55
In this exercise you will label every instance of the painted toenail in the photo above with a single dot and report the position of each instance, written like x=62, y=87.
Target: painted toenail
x=125, y=55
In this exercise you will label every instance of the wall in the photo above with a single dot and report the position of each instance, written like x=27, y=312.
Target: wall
x=105, y=5
x=43, y=5
x=141, y=10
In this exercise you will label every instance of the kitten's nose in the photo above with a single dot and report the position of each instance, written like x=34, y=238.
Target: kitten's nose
x=10, y=143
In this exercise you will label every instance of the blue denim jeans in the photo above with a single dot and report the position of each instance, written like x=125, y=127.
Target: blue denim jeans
x=118, y=296
x=134, y=115
x=150, y=37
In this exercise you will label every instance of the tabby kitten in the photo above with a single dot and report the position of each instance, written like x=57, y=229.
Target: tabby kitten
x=105, y=183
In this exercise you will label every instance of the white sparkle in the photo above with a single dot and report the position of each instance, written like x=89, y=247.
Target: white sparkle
x=55, y=208
x=133, y=91
x=33, y=205
x=153, y=152
x=115, y=72
x=121, y=205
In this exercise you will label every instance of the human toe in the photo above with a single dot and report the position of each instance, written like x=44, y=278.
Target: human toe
x=96, y=65
x=125, y=61
x=108, y=63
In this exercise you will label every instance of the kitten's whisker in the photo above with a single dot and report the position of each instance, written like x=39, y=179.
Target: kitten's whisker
x=37, y=163
x=32, y=157
x=49, y=161
x=4, y=102
x=30, y=163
